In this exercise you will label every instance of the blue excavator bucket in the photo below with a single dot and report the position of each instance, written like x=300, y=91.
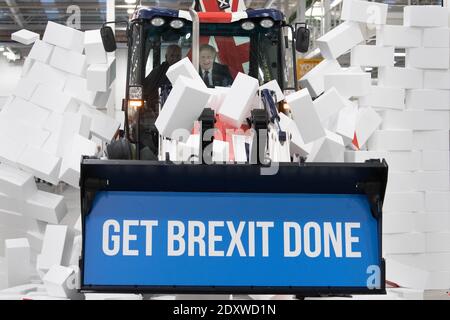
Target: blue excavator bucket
x=309, y=229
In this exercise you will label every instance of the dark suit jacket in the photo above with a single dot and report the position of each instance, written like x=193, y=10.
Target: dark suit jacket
x=221, y=75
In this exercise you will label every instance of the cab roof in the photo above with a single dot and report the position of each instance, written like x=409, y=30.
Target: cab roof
x=209, y=17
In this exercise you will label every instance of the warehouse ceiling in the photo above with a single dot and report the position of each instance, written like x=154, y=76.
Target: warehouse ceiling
x=34, y=14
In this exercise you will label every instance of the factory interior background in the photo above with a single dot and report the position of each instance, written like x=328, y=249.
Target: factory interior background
x=391, y=75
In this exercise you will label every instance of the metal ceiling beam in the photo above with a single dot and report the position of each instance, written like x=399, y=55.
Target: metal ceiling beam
x=15, y=13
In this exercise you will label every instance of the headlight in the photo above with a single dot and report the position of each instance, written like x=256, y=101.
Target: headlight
x=176, y=24
x=248, y=25
x=157, y=22
x=266, y=23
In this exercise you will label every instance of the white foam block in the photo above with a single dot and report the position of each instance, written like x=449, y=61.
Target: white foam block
x=11, y=128
x=17, y=254
x=384, y=97
x=11, y=206
x=102, y=125
x=405, y=275
x=404, y=243
x=70, y=166
x=404, y=202
x=427, y=58
x=398, y=36
x=397, y=160
x=405, y=78
x=10, y=151
x=26, y=112
x=437, y=201
x=344, y=123
x=240, y=153
x=438, y=281
x=54, y=122
x=391, y=140
x=237, y=103
x=431, y=140
x=400, y=181
x=43, y=73
x=101, y=99
x=16, y=183
x=217, y=98
x=100, y=76
x=313, y=79
x=432, y=222
x=93, y=47
x=278, y=152
x=340, y=39
x=415, y=120
x=426, y=261
x=47, y=97
x=372, y=56
x=273, y=86
x=45, y=206
x=438, y=242
x=184, y=105
x=73, y=123
x=24, y=289
x=398, y=223
x=297, y=145
x=25, y=36
x=76, y=87
x=435, y=160
x=25, y=88
x=58, y=240
x=58, y=282
x=327, y=149
x=41, y=164
x=367, y=121
x=305, y=116
x=436, y=37
x=364, y=11
x=328, y=104
x=221, y=151
x=27, y=64
x=69, y=61
x=113, y=296
x=428, y=99
x=433, y=180
x=64, y=37
x=425, y=16
x=41, y=51
x=436, y=79
x=185, y=68
x=348, y=84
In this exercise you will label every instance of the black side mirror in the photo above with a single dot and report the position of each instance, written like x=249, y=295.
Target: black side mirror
x=302, y=38
x=108, y=39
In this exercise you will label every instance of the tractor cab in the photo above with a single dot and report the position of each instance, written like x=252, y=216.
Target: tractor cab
x=256, y=42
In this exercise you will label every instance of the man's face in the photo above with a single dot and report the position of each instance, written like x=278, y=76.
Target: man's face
x=207, y=59
x=173, y=55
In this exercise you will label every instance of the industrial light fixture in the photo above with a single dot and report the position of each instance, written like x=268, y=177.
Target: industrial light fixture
x=266, y=23
x=247, y=25
x=157, y=22
x=130, y=1
x=176, y=24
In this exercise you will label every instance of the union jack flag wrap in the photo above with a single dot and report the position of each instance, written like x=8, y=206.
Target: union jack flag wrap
x=226, y=45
